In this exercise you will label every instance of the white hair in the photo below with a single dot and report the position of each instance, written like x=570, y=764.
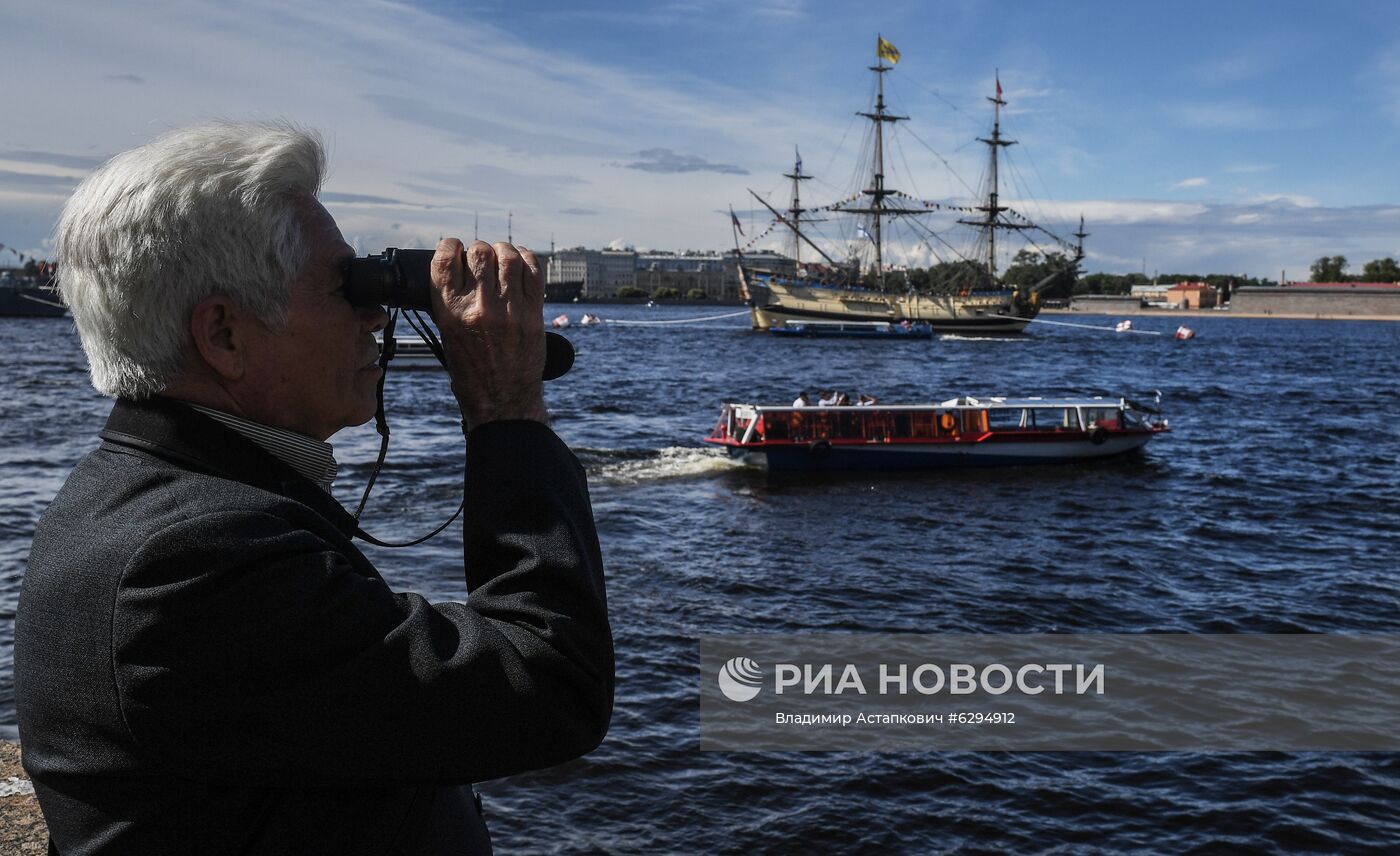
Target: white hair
x=211, y=209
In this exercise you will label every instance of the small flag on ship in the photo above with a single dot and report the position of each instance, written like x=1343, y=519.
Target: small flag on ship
x=735, y=220
x=885, y=50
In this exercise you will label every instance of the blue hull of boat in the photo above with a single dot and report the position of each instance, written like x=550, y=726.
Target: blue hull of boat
x=881, y=458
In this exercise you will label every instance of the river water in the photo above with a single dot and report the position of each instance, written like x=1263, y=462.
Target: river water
x=1272, y=507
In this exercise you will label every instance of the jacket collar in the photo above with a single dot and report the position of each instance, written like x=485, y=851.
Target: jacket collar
x=171, y=430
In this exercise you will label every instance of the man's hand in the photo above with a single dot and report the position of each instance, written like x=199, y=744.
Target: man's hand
x=489, y=307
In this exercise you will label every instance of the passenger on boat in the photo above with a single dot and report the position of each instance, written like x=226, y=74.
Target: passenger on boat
x=843, y=400
x=803, y=400
x=865, y=400
x=828, y=398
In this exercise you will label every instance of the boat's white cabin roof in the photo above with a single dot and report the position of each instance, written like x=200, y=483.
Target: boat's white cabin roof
x=1032, y=401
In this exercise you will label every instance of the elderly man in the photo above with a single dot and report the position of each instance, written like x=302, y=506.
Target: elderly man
x=204, y=662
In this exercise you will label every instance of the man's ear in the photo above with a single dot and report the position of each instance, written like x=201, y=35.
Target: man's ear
x=220, y=333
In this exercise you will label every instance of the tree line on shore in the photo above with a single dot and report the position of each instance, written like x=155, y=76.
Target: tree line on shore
x=1029, y=268
x=1334, y=269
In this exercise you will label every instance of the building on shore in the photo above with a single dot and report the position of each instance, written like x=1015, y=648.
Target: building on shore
x=717, y=275
x=602, y=272
x=1107, y=304
x=1155, y=293
x=1192, y=295
x=686, y=274
x=1320, y=298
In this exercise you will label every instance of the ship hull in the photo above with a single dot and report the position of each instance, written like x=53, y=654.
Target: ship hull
x=900, y=457
x=30, y=301
x=778, y=300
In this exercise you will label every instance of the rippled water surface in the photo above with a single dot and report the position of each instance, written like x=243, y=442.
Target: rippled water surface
x=1273, y=506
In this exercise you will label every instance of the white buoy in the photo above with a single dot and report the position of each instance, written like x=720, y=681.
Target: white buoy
x=1184, y=332
x=1123, y=326
x=559, y=322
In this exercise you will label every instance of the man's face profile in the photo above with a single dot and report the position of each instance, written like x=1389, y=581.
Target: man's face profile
x=319, y=372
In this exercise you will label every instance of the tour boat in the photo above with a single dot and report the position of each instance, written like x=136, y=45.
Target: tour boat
x=961, y=432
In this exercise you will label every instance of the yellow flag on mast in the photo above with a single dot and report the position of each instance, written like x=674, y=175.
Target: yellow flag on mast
x=885, y=50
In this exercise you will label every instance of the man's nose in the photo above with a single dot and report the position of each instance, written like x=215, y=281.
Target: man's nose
x=373, y=318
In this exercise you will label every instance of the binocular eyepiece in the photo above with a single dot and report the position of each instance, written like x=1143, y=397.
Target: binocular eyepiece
x=393, y=278
x=403, y=278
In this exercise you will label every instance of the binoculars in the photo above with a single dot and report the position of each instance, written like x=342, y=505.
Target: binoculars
x=403, y=279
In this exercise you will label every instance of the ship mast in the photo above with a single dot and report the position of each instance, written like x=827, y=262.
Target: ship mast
x=877, y=191
x=991, y=220
x=795, y=210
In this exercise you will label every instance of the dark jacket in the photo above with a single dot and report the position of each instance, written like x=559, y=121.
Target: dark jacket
x=205, y=663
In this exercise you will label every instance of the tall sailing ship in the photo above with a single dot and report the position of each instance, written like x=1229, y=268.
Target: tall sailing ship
x=966, y=296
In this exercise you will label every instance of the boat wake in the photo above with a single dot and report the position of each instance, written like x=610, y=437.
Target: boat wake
x=627, y=467
x=959, y=337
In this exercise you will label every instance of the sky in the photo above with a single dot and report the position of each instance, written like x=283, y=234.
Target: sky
x=1242, y=137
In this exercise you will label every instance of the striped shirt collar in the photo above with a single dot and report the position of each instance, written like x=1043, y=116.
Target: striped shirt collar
x=313, y=459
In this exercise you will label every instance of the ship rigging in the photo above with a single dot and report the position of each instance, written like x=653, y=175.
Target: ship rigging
x=964, y=292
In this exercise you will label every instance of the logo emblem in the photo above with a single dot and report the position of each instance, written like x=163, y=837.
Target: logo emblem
x=740, y=679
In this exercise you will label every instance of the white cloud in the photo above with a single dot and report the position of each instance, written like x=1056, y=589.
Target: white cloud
x=1294, y=199
x=433, y=120
x=404, y=98
x=1234, y=116
x=1259, y=237
x=1191, y=182
x=1124, y=212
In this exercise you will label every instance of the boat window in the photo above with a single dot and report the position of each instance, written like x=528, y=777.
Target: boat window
x=1101, y=417
x=923, y=424
x=1048, y=419
x=1005, y=419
